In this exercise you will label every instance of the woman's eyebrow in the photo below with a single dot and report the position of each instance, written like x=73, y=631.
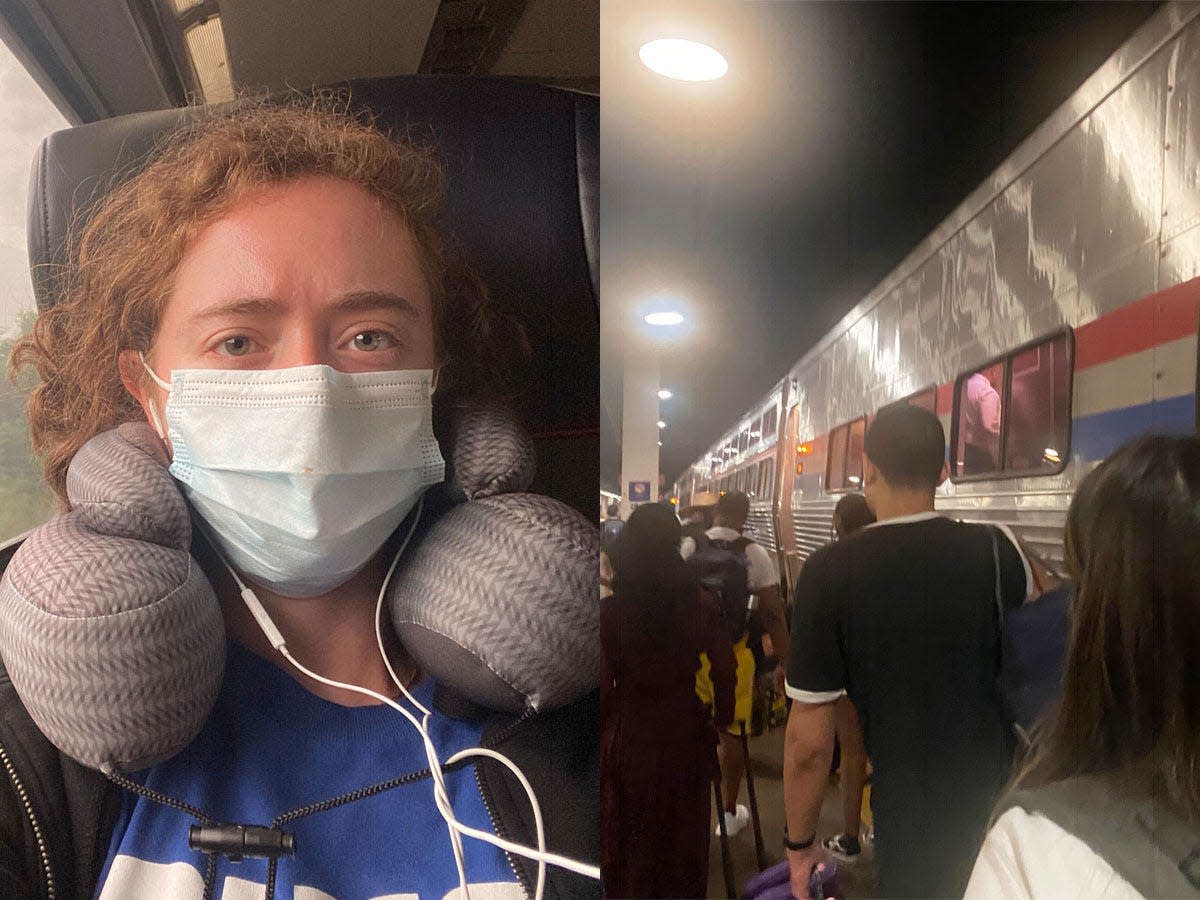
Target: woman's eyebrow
x=354, y=301
x=366, y=301
x=242, y=306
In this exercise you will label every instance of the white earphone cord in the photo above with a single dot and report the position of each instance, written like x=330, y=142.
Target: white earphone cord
x=441, y=798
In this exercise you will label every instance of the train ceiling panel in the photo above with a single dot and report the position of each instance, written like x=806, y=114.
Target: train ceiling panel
x=276, y=44
x=111, y=57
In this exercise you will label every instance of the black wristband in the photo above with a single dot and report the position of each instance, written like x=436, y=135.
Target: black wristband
x=798, y=845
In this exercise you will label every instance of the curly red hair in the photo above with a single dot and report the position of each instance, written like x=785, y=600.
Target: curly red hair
x=122, y=260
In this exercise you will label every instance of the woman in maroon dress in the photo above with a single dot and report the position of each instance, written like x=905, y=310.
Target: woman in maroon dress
x=658, y=742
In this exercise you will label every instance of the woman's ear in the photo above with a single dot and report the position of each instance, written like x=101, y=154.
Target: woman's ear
x=132, y=368
x=129, y=364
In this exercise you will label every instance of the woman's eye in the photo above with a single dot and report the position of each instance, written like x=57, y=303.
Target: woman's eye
x=238, y=345
x=373, y=341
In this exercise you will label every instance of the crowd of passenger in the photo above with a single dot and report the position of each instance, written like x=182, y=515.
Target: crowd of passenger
x=1026, y=734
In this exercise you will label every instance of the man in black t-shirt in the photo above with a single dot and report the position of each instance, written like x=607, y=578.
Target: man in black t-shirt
x=902, y=617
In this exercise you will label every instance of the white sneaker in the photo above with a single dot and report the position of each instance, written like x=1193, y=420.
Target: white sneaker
x=735, y=822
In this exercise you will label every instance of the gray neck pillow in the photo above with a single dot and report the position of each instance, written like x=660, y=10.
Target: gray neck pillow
x=114, y=639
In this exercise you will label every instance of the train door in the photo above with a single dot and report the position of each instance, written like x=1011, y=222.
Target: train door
x=790, y=461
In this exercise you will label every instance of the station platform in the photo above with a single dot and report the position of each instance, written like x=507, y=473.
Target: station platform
x=856, y=880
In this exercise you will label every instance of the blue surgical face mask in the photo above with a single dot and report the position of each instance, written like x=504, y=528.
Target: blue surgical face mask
x=301, y=474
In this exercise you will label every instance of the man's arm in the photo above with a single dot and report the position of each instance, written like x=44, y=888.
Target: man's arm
x=764, y=582
x=807, y=751
x=816, y=678
x=770, y=605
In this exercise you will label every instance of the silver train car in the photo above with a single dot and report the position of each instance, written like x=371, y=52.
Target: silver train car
x=1051, y=317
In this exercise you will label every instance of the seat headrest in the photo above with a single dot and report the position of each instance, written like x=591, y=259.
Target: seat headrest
x=522, y=164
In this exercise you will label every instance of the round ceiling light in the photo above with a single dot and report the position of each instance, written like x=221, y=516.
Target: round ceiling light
x=664, y=318
x=664, y=394
x=683, y=60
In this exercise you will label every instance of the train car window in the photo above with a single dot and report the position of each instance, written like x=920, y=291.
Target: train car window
x=925, y=399
x=979, y=409
x=756, y=432
x=24, y=500
x=835, y=472
x=844, y=468
x=1013, y=416
x=766, y=479
x=1038, y=425
x=769, y=423
x=854, y=454
x=743, y=440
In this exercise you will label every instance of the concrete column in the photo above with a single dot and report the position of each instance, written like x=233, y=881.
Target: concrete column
x=639, y=422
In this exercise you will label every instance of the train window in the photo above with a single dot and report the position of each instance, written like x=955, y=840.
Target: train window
x=766, y=478
x=844, y=470
x=1039, y=420
x=926, y=399
x=854, y=454
x=756, y=432
x=978, y=411
x=1013, y=416
x=770, y=421
x=25, y=501
x=835, y=472
x=743, y=440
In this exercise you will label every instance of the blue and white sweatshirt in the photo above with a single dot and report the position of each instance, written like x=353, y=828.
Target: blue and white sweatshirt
x=271, y=746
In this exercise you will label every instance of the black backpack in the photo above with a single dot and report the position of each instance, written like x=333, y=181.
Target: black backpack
x=724, y=572
x=1033, y=652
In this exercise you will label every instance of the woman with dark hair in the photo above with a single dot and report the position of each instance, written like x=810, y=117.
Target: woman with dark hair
x=1109, y=806
x=658, y=743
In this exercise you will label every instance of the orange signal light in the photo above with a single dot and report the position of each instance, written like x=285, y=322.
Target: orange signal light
x=804, y=449
x=799, y=468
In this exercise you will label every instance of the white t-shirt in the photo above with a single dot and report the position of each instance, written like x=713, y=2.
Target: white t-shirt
x=760, y=570
x=1027, y=856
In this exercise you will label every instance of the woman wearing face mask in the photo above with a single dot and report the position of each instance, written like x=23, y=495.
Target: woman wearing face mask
x=269, y=298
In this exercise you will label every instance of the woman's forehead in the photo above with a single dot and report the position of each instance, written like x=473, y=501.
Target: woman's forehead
x=311, y=237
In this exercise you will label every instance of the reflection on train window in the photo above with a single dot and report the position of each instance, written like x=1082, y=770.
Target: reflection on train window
x=844, y=471
x=1013, y=416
